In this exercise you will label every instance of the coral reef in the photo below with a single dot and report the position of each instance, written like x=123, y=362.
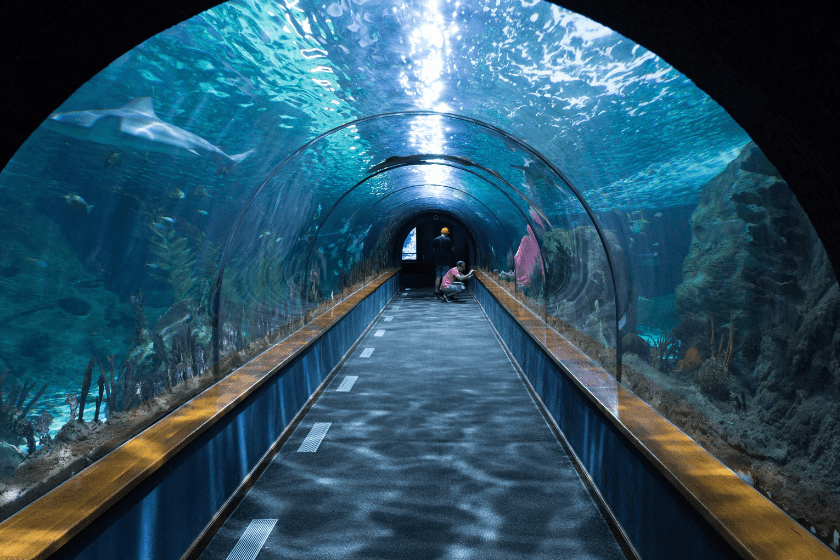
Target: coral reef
x=754, y=251
x=690, y=362
x=14, y=425
x=713, y=378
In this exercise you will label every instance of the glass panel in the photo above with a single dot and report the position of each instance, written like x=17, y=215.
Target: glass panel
x=114, y=237
x=409, y=251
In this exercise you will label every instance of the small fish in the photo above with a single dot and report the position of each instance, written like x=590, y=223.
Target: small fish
x=39, y=262
x=203, y=212
x=152, y=265
x=656, y=244
x=278, y=240
x=264, y=234
x=159, y=226
x=658, y=215
x=200, y=191
x=637, y=226
x=168, y=219
x=76, y=201
x=115, y=158
x=176, y=193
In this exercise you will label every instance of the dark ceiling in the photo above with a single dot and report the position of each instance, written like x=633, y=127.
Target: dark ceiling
x=772, y=65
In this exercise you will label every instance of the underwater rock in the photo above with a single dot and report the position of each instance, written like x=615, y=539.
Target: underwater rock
x=779, y=282
x=757, y=162
x=60, y=311
x=713, y=379
x=73, y=431
x=10, y=459
x=635, y=344
x=584, y=294
x=752, y=247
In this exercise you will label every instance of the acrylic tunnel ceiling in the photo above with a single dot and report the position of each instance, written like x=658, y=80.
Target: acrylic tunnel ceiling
x=266, y=78
x=311, y=132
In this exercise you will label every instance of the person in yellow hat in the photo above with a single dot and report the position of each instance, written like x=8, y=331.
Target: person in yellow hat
x=443, y=248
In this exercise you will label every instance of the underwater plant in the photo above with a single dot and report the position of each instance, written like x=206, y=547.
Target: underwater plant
x=85, y=389
x=42, y=428
x=666, y=349
x=141, y=323
x=713, y=375
x=13, y=422
x=71, y=400
x=175, y=261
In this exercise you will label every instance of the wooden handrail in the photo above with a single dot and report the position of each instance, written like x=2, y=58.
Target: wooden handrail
x=749, y=522
x=48, y=523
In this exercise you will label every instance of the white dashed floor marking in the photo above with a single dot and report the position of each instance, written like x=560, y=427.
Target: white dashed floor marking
x=252, y=540
x=366, y=353
x=347, y=384
x=388, y=319
x=316, y=436
x=380, y=332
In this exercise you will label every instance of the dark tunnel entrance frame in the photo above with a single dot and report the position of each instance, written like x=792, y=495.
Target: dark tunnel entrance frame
x=414, y=216
x=217, y=288
x=423, y=216
x=413, y=186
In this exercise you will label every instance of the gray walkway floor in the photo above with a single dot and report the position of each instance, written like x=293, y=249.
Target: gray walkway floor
x=437, y=451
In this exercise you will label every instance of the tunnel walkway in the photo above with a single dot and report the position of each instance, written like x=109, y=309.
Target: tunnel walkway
x=426, y=444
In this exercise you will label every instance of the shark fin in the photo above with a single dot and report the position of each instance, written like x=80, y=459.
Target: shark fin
x=239, y=157
x=141, y=105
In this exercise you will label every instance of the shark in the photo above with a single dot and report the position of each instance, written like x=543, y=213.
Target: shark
x=136, y=127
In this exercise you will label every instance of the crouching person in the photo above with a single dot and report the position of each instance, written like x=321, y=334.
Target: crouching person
x=453, y=280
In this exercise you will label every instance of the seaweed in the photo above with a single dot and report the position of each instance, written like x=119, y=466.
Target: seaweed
x=175, y=260
x=13, y=422
x=42, y=428
x=141, y=323
x=666, y=352
x=71, y=400
x=85, y=389
x=101, y=383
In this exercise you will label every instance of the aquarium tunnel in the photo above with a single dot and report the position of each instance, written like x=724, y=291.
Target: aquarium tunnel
x=221, y=329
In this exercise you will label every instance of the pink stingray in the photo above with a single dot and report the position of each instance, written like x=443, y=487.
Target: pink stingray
x=526, y=258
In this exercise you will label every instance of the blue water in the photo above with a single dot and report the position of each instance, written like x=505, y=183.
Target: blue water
x=637, y=138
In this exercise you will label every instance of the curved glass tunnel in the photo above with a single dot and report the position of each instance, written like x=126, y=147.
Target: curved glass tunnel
x=226, y=181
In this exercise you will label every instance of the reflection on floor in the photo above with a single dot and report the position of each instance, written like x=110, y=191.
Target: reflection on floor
x=435, y=451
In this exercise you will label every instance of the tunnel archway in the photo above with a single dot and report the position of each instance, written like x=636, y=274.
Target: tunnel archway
x=168, y=231
x=55, y=51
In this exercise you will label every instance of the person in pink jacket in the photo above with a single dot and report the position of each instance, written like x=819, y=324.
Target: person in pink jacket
x=453, y=280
